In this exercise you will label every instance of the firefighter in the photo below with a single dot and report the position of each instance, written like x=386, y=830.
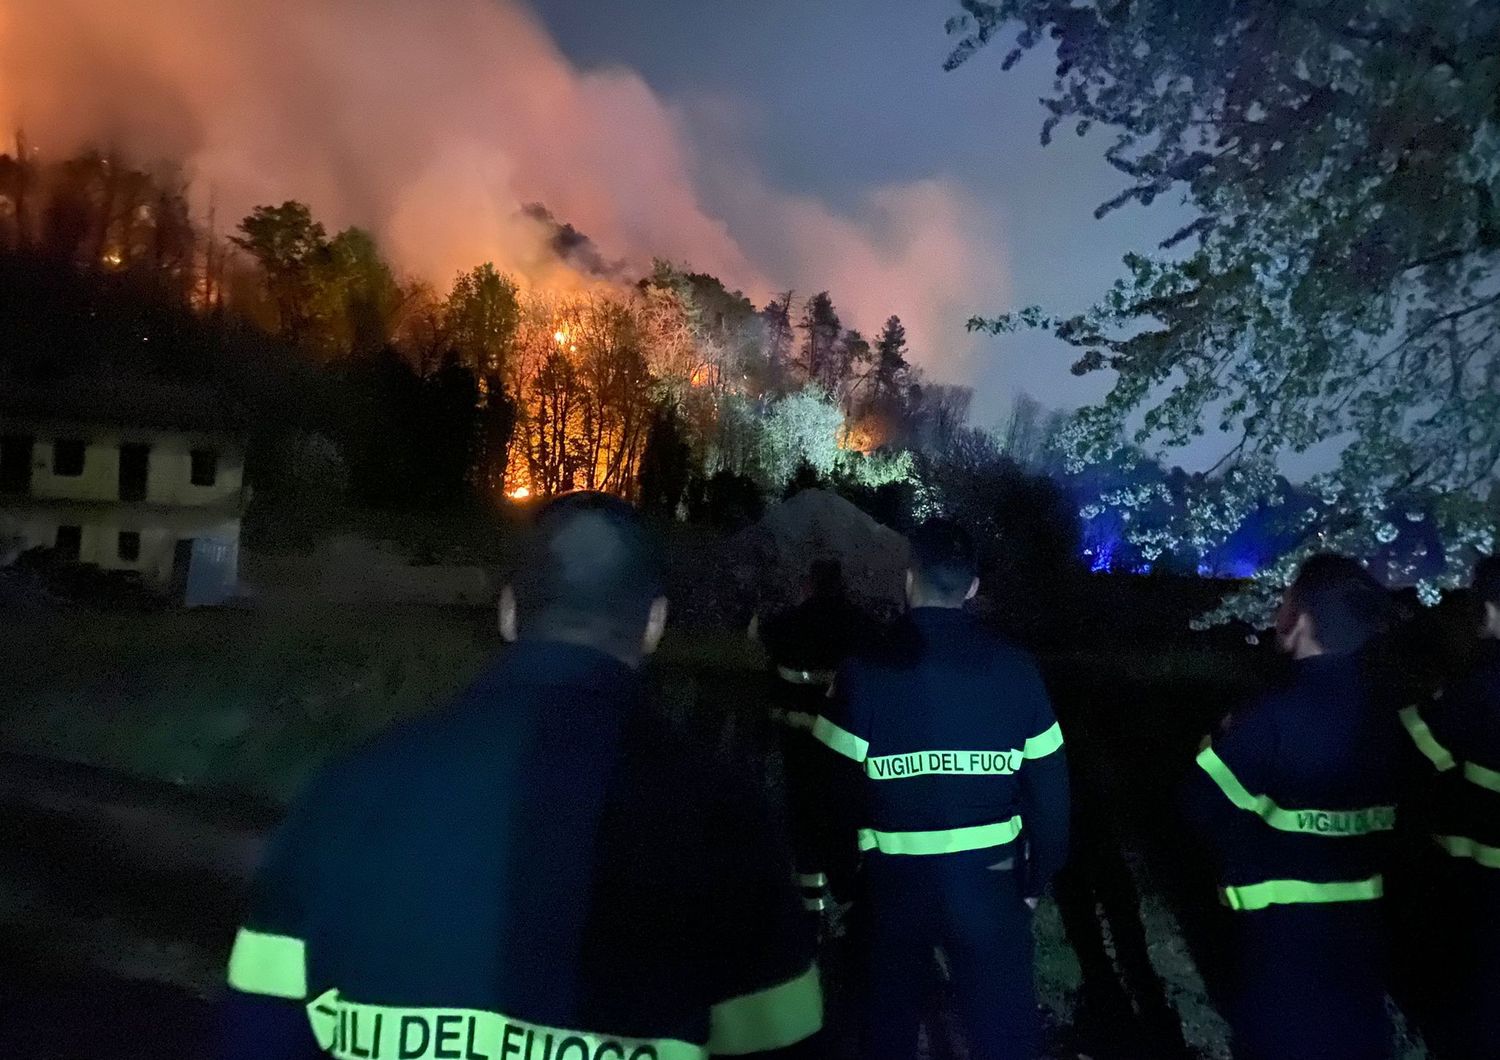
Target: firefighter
x=541, y=871
x=806, y=645
x=1296, y=800
x=1458, y=739
x=963, y=796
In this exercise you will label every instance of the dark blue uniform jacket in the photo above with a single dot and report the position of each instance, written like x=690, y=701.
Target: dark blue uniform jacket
x=541, y=871
x=1458, y=737
x=959, y=751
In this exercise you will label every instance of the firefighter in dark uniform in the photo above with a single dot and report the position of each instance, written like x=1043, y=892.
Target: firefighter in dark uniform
x=1296, y=800
x=963, y=797
x=1458, y=739
x=541, y=871
x=807, y=644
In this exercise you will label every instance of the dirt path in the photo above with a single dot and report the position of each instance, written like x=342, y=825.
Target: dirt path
x=117, y=902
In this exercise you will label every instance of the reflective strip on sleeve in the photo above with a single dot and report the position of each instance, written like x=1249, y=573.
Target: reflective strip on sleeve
x=273, y=965
x=1043, y=745
x=1356, y=822
x=349, y=1030
x=1485, y=778
x=1463, y=847
x=950, y=763
x=942, y=841
x=812, y=879
x=845, y=743
x=1421, y=735
x=1301, y=892
x=795, y=719
x=769, y=1019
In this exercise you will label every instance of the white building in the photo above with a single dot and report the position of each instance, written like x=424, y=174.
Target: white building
x=133, y=477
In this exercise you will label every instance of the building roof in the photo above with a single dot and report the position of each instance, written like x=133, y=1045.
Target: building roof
x=125, y=402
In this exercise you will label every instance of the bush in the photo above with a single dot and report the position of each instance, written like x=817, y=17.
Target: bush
x=1025, y=525
x=725, y=500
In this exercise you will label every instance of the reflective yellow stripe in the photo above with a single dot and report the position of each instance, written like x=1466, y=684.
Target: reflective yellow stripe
x=1421, y=735
x=942, y=841
x=775, y=1018
x=1333, y=823
x=805, y=677
x=274, y=965
x=952, y=763
x=348, y=1029
x=1043, y=745
x=1485, y=778
x=1463, y=847
x=1302, y=892
x=845, y=743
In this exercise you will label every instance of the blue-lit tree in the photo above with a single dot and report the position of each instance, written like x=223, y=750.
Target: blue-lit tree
x=1338, y=283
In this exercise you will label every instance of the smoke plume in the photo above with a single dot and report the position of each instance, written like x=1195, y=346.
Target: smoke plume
x=433, y=124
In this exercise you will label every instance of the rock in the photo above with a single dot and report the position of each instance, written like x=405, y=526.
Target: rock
x=772, y=559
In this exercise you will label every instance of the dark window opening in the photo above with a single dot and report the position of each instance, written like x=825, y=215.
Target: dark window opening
x=135, y=466
x=69, y=542
x=129, y=546
x=67, y=457
x=15, y=463
x=205, y=467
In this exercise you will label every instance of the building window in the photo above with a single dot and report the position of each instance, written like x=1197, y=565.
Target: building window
x=69, y=542
x=67, y=457
x=15, y=463
x=205, y=467
x=129, y=546
x=135, y=471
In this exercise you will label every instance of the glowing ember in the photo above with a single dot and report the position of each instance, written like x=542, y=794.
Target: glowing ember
x=113, y=258
x=520, y=493
x=560, y=337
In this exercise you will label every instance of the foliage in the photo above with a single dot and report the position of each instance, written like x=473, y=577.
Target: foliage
x=481, y=317
x=1338, y=282
x=666, y=465
x=99, y=213
x=356, y=298
x=585, y=394
x=891, y=367
x=799, y=428
x=874, y=470
x=725, y=499
x=817, y=359
x=1026, y=525
x=407, y=440
x=289, y=246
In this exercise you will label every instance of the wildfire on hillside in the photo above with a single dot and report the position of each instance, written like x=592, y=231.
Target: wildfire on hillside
x=863, y=436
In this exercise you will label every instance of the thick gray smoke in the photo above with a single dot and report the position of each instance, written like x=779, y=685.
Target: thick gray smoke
x=433, y=123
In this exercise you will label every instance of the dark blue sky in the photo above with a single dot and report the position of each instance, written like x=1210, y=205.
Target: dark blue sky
x=832, y=99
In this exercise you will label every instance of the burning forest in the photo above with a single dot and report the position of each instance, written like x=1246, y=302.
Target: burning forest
x=494, y=382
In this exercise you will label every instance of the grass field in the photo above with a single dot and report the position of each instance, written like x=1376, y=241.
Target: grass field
x=249, y=699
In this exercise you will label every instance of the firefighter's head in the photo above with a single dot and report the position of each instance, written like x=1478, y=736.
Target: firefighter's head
x=944, y=568
x=1334, y=607
x=589, y=573
x=1487, y=588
